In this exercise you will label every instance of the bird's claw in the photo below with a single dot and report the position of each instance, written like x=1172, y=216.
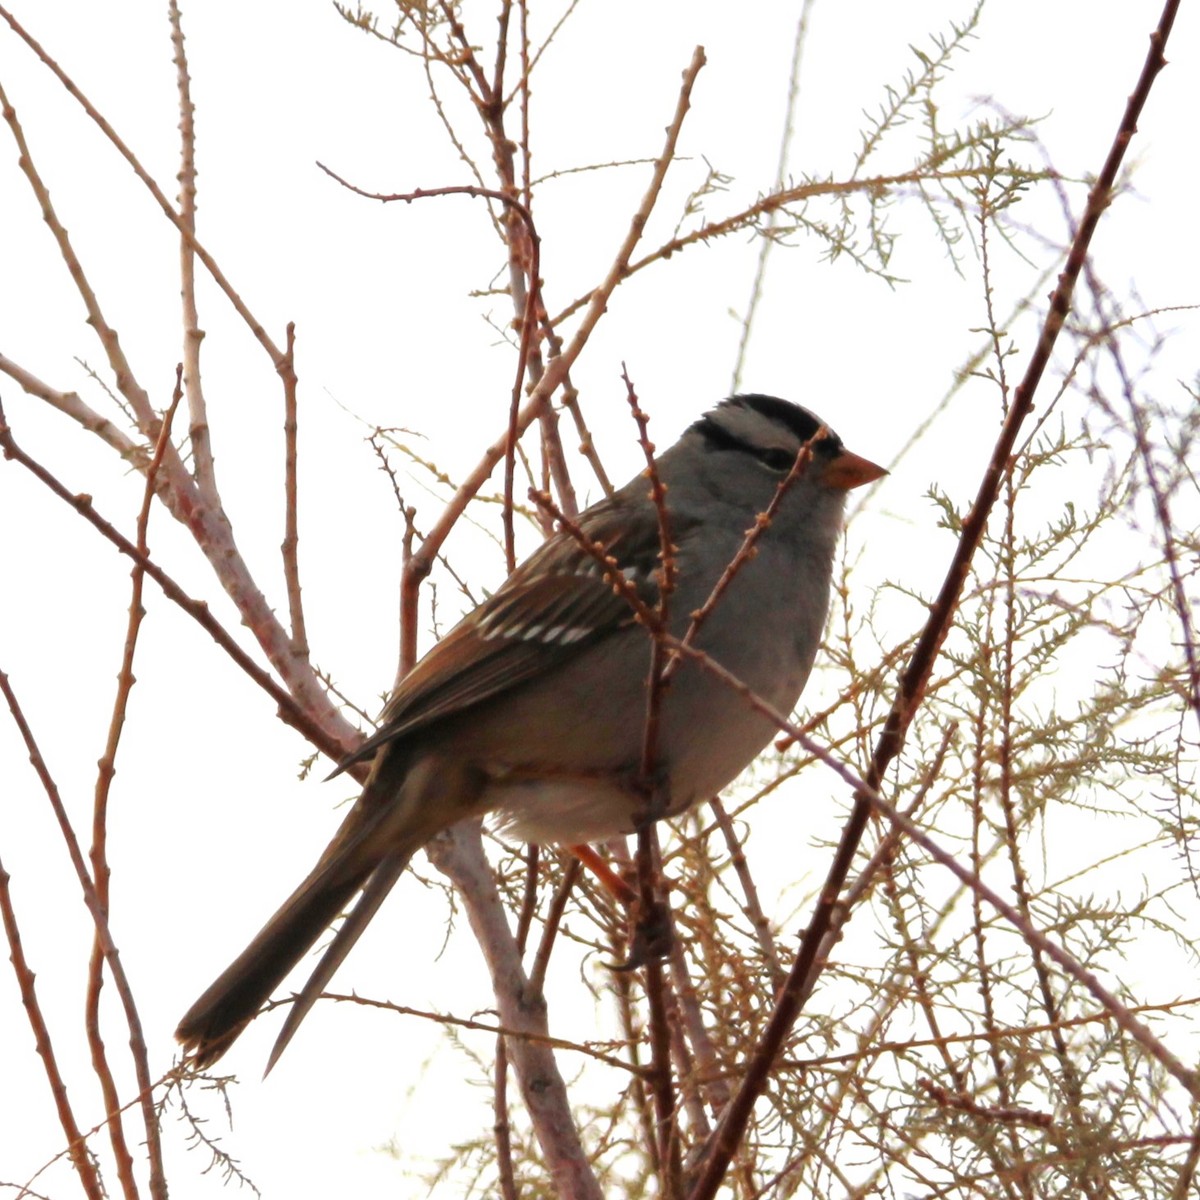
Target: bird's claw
x=652, y=939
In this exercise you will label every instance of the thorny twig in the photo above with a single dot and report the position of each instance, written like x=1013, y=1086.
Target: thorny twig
x=728, y=1135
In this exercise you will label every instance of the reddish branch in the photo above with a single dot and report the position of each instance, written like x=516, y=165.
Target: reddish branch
x=100, y=869
x=651, y=907
x=84, y=1167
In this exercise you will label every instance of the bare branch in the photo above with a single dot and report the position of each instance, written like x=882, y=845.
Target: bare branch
x=459, y=855
x=291, y=535
x=98, y=855
x=89, y=1178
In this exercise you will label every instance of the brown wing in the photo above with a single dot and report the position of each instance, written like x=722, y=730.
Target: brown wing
x=552, y=606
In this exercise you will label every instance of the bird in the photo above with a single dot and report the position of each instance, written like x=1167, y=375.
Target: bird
x=532, y=709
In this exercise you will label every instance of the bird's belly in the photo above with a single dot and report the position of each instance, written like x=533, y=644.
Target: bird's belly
x=567, y=805
x=563, y=811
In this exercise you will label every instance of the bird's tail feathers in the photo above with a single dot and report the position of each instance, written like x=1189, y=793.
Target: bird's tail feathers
x=373, y=895
x=216, y=1019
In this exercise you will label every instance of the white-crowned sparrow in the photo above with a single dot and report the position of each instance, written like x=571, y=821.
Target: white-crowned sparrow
x=534, y=706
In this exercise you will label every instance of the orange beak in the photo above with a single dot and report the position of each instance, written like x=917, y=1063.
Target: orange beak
x=850, y=471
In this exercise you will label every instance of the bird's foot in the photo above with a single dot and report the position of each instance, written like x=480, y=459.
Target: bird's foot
x=652, y=939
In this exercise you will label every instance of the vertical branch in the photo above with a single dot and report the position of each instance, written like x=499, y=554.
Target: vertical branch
x=572, y=869
x=984, y=717
x=458, y=854
x=291, y=531
x=193, y=335
x=1162, y=513
x=418, y=565
x=654, y=914
x=521, y=240
x=657, y=682
x=622, y=984
x=662, y=1085
x=98, y=853
x=766, y=242
x=501, y=1124
x=552, y=448
x=523, y=90
x=710, y=1088
x=1187, y=1172
x=408, y=612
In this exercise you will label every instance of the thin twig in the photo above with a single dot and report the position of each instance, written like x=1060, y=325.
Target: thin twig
x=554, y=915
x=652, y=909
x=100, y=870
x=85, y=1168
x=291, y=525
x=747, y=217
x=747, y=550
x=767, y=243
x=750, y=902
x=199, y=433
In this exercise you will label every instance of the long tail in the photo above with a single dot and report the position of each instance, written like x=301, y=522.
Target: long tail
x=373, y=896
x=214, y=1022
x=403, y=804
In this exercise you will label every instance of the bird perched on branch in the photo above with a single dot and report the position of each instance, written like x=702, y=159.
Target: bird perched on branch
x=534, y=707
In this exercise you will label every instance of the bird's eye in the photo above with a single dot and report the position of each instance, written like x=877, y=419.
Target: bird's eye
x=777, y=460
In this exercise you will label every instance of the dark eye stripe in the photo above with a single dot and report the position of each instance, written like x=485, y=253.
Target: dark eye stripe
x=776, y=460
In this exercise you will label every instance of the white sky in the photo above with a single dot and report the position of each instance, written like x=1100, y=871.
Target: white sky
x=209, y=830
